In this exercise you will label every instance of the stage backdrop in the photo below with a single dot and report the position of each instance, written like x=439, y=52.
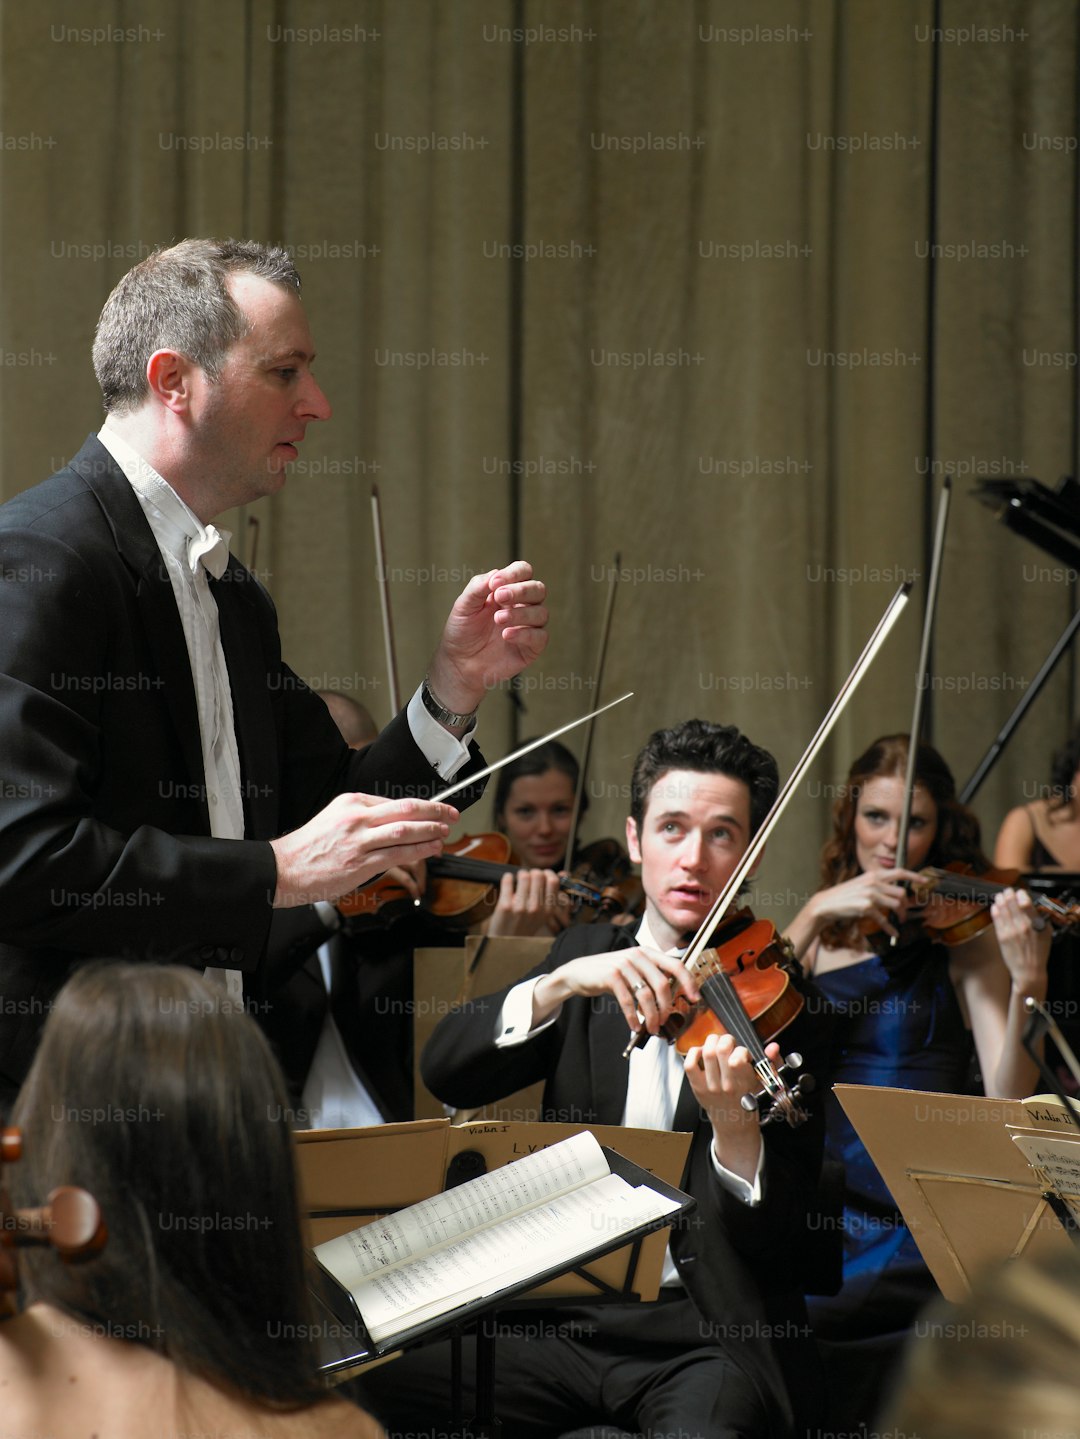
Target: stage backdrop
x=652, y=278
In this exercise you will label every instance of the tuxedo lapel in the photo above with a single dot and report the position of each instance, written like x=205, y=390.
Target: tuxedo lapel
x=608, y=1036
x=608, y=1071
x=154, y=599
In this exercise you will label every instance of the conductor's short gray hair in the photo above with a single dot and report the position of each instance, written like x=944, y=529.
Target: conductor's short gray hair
x=178, y=299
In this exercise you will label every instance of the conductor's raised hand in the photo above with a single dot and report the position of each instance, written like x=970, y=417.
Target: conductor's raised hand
x=356, y=837
x=497, y=627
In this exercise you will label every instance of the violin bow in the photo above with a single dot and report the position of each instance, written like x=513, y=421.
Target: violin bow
x=741, y=872
x=525, y=748
x=384, y=597
x=921, y=673
x=598, y=684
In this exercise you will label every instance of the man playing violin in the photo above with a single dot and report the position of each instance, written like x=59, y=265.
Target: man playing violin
x=728, y=1339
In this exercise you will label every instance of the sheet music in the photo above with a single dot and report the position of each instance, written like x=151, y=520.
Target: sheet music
x=353, y=1257
x=1057, y=1160
x=490, y=1259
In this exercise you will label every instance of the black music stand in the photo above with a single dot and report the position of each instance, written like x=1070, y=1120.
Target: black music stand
x=346, y=1343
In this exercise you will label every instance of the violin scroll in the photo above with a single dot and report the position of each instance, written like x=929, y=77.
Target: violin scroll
x=783, y=1102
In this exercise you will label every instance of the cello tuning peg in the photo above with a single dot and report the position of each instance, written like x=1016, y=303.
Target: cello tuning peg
x=792, y=1061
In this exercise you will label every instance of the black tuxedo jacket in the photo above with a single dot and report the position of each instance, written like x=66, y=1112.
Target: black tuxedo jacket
x=743, y=1267
x=105, y=845
x=372, y=1003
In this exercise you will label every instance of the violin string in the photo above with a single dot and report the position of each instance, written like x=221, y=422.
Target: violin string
x=963, y=886
x=725, y=1002
x=489, y=871
x=722, y=997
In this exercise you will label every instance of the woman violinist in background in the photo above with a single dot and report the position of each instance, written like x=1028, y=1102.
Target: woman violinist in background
x=153, y=1093
x=1045, y=836
x=906, y=1017
x=1046, y=833
x=534, y=808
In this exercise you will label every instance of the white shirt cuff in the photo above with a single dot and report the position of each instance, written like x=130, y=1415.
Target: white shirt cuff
x=443, y=751
x=513, y=1024
x=735, y=1184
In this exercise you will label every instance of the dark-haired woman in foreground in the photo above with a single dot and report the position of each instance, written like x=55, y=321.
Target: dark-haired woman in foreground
x=153, y=1093
x=907, y=1018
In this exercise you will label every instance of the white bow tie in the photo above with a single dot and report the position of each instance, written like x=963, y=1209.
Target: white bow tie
x=211, y=550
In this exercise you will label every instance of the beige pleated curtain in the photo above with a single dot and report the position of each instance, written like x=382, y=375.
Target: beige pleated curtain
x=708, y=353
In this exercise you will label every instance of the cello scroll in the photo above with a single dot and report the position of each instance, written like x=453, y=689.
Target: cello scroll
x=70, y=1221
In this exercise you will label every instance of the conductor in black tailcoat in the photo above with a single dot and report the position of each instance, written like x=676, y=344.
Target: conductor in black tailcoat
x=168, y=780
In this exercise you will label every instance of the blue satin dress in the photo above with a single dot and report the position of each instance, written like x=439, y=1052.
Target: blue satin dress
x=899, y=1025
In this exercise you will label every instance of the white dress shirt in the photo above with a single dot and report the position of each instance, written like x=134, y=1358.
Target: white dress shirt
x=335, y=1097
x=183, y=540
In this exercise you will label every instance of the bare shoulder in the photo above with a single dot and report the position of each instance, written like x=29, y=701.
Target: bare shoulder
x=334, y=1419
x=19, y=1353
x=1015, y=839
x=59, y=1376
x=58, y=1373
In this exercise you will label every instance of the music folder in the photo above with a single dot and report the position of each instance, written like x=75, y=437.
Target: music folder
x=605, y=1263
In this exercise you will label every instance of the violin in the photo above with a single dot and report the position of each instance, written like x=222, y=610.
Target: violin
x=955, y=902
x=605, y=865
x=746, y=982
x=70, y=1221
x=461, y=888
x=776, y=1098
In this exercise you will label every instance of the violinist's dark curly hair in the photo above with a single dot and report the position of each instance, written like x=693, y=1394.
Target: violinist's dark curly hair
x=1063, y=769
x=150, y=1090
x=709, y=749
x=958, y=836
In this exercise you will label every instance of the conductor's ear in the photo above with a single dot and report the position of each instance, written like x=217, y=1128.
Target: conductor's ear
x=169, y=374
